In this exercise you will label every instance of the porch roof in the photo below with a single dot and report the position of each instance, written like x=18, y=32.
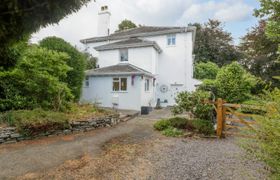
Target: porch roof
x=119, y=69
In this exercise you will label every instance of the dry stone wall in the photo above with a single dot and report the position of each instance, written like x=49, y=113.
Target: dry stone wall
x=10, y=134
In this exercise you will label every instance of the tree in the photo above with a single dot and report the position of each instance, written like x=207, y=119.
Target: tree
x=260, y=54
x=206, y=70
x=11, y=54
x=126, y=24
x=234, y=84
x=76, y=61
x=19, y=19
x=90, y=61
x=36, y=81
x=214, y=44
x=271, y=10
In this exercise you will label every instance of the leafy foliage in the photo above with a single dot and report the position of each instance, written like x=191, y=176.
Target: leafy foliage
x=126, y=24
x=90, y=61
x=19, y=19
x=162, y=124
x=206, y=70
x=214, y=43
x=203, y=126
x=174, y=126
x=36, y=81
x=172, y=132
x=260, y=54
x=267, y=144
x=77, y=61
x=11, y=54
x=193, y=102
x=271, y=10
x=234, y=84
x=178, y=122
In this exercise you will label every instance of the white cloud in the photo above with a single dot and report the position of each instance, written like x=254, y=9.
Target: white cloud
x=226, y=11
x=83, y=24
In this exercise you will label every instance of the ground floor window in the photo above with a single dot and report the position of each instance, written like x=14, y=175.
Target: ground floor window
x=87, y=81
x=147, y=84
x=119, y=84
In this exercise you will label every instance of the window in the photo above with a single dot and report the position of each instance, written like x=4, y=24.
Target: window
x=123, y=55
x=116, y=84
x=87, y=81
x=123, y=84
x=119, y=84
x=171, y=40
x=147, y=85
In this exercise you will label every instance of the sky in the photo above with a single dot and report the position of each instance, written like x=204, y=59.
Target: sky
x=236, y=15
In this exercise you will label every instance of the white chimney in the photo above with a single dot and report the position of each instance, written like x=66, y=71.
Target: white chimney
x=103, y=27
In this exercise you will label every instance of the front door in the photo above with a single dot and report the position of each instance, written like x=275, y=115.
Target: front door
x=174, y=91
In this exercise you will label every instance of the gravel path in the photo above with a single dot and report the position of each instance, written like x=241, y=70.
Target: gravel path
x=131, y=150
x=203, y=159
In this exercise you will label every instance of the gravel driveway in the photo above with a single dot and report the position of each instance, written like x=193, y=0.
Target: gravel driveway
x=131, y=150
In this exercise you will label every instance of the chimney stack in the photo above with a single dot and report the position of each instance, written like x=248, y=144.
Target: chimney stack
x=103, y=27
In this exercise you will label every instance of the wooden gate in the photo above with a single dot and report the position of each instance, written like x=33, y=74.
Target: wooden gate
x=230, y=120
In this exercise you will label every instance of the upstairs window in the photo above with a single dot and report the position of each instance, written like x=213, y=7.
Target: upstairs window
x=119, y=84
x=124, y=55
x=171, y=40
x=147, y=84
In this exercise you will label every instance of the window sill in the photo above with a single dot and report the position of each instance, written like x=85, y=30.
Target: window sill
x=170, y=46
x=119, y=91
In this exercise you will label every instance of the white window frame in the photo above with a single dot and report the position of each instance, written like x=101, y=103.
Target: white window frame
x=171, y=40
x=119, y=81
x=147, y=85
x=123, y=53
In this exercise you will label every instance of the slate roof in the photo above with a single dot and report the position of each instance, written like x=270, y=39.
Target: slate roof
x=132, y=42
x=119, y=69
x=142, y=31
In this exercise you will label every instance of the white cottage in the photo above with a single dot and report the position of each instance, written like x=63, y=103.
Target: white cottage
x=139, y=67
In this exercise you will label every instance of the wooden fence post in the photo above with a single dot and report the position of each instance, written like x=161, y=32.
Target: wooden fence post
x=220, y=118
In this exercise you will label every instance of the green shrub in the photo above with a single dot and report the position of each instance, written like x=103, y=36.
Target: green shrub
x=33, y=122
x=162, y=124
x=172, y=132
x=266, y=145
x=76, y=60
x=234, y=84
x=178, y=122
x=36, y=82
x=193, y=102
x=206, y=70
x=253, y=106
x=203, y=126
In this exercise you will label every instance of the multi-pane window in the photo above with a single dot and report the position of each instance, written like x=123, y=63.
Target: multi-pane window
x=171, y=40
x=147, y=84
x=87, y=81
x=119, y=84
x=123, y=55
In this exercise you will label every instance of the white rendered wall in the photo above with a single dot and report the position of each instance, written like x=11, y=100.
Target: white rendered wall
x=148, y=98
x=175, y=65
x=100, y=92
x=145, y=58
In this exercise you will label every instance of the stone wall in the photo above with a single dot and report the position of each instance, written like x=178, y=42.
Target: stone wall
x=10, y=134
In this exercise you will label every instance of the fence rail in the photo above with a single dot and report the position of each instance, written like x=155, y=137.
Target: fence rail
x=228, y=117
